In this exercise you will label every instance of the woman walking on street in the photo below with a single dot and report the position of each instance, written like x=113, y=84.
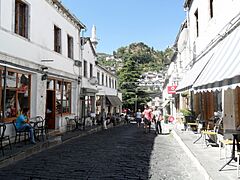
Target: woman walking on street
x=147, y=113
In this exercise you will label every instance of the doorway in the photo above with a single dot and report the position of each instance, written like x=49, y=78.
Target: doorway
x=50, y=109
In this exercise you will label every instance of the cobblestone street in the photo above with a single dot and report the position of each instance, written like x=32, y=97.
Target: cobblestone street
x=119, y=153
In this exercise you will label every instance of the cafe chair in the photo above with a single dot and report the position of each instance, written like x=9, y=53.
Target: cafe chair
x=224, y=144
x=212, y=135
x=19, y=133
x=40, y=127
x=4, y=138
x=194, y=125
x=78, y=122
x=70, y=123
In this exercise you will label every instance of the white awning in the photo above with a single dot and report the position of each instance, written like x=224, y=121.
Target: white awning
x=191, y=75
x=223, y=70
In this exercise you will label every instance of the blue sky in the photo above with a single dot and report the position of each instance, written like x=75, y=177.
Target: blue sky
x=122, y=22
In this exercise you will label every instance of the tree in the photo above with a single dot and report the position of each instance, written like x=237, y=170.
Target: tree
x=128, y=78
x=136, y=59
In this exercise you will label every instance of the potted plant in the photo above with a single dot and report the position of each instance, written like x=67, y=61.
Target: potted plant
x=166, y=116
x=187, y=113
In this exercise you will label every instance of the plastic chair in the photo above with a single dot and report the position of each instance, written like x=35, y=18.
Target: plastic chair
x=4, y=137
x=20, y=133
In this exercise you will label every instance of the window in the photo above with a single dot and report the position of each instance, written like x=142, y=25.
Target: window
x=102, y=79
x=58, y=97
x=66, y=97
x=110, y=84
x=21, y=18
x=106, y=81
x=70, y=46
x=57, y=39
x=62, y=92
x=211, y=8
x=17, y=93
x=98, y=77
x=85, y=68
x=196, y=17
x=115, y=84
x=91, y=70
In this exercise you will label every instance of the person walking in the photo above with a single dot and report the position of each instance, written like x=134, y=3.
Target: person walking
x=147, y=113
x=158, y=122
x=104, y=118
x=138, y=117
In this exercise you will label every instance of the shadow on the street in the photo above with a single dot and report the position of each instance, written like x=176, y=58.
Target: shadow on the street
x=117, y=153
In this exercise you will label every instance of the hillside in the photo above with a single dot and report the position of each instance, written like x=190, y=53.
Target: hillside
x=147, y=58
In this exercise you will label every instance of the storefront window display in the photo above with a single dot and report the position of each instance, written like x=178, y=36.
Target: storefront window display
x=66, y=97
x=62, y=96
x=17, y=93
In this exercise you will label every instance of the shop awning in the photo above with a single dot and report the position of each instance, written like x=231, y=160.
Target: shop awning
x=114, y=100
x=223, y=70
x=191, y=75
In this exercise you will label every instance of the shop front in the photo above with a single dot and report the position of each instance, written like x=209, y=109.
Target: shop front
x=58, y=101
x=15, y=91
x=88, y=104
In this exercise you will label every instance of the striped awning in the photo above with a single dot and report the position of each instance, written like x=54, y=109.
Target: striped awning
x=191, y=75
x=223, y=70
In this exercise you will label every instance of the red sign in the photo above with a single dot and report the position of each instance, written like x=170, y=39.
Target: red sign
x=170, y=118
x=171, y=89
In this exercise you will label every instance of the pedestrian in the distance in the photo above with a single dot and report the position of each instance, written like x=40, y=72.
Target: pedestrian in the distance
x=138, y=117
x=147, y=113
x=158, y=122
x=104, y=118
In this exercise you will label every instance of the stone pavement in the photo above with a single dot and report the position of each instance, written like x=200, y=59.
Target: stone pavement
x=125, y=152
x=202, y=161
x=21, y=150
x=207, y=159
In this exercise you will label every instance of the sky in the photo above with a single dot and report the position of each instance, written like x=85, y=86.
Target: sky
x=122, y=22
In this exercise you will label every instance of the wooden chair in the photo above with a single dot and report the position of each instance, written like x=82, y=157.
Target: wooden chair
x=4, y=138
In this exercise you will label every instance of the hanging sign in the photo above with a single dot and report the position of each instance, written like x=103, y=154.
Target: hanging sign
x=171, y=89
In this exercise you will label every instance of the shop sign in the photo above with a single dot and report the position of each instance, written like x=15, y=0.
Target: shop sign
x=171, y=89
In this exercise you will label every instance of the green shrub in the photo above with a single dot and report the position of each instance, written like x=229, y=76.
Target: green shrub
x=186, y=112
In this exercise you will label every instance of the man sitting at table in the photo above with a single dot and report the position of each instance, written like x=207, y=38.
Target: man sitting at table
x=22, y=124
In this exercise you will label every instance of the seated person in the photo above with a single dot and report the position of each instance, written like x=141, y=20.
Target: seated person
x=23, y=124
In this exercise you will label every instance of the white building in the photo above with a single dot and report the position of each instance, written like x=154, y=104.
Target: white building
x=213, y=38
x=39, y=51
x=99, y=85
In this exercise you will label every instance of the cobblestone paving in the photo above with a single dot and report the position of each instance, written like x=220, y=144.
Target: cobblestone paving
x=119, y=153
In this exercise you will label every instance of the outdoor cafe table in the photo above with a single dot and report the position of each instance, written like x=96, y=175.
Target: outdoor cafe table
x=235, y=134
